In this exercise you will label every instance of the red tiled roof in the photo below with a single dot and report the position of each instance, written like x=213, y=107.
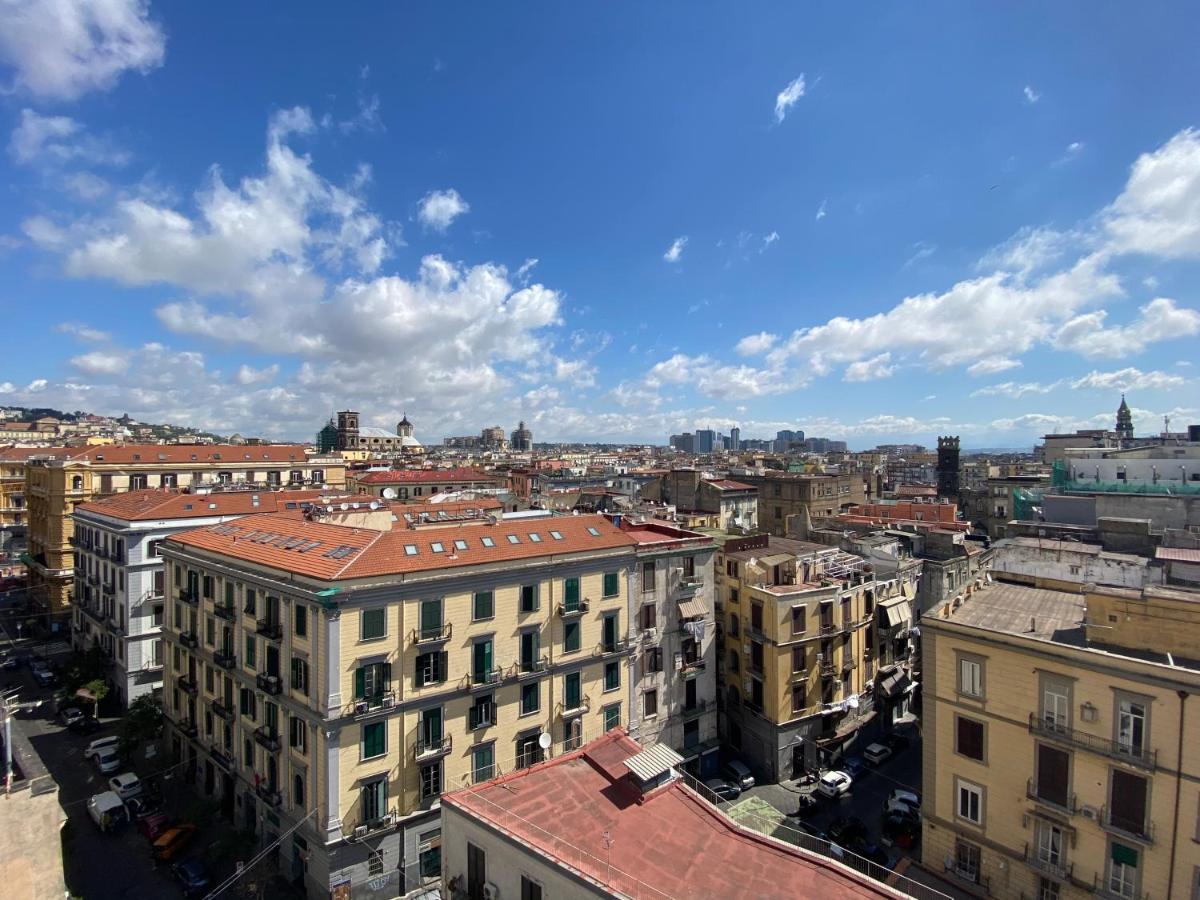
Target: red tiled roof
x=20, y=454
x=669, y=844
x=424, y=476
x=725, y=484
x=159, y=504
x=1177, y=554
x=371, y=553
x=183, y=453
x=649, y=533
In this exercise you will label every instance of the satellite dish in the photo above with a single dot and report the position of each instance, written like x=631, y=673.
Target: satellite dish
x=345, y=506
x=389, y=493
x=354, y=506
x=374, y=504
x=544, y=740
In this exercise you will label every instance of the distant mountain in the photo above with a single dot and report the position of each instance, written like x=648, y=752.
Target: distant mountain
x=161, y=432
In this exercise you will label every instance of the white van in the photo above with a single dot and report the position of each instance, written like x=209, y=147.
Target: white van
x=107, y=810
x=101, y=744
x=107, y=760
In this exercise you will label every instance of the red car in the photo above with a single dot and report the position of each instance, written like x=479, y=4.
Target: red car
x=151, y=827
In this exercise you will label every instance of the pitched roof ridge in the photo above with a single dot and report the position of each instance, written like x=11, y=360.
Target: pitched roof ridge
x=361, y=552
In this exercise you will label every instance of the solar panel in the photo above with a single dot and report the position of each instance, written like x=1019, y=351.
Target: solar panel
x=308, y=545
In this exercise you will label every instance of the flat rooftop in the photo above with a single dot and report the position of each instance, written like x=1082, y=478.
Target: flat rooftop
x=783, y=545
x=582, y=811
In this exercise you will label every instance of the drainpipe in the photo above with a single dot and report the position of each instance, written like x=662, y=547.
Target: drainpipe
x=1183, y=695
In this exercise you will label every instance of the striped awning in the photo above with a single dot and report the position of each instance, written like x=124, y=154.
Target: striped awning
x=896, y=612
x=692, y=608
x=653, y=763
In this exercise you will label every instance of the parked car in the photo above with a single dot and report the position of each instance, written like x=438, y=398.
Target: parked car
x=900, y=808
x=834, y=784
x=70, y=715
x=866, y=848
x=900, y=830
x=854, y=766
x=843, y=830
x=125, y=785
x=152, y=826
x=85, y=725
x=172, y=842
x=738, y=772
x=107, y=810
x=877, y=753
x=896, y=741
x=99, y=745
x=900, y=795
x=11, y=661
x=192, y=874
x=107, y=760
x=723, y=789
x=45, y=677
x=142, y=807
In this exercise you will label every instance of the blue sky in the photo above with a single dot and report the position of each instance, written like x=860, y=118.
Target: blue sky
x=614, y=221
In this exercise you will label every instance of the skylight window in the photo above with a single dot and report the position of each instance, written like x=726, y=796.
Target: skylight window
x=437, y=547
x=410, y=550
x=460, y=545
x=557, y=535
x=535, y=537
x=513, y=539
x=593, y=532
x=488, y=542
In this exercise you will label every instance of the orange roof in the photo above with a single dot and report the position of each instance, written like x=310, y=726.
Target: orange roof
x=423, y=476
x=20, y=454
x=338, y=552
x=167, y=504
x=725, y=484
x=231, y=454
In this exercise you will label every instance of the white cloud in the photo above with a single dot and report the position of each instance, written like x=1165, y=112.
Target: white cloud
x=754, y=344
x=1031, y=96
x=86, y=185
x=787, y=98
x=1158, y=213
x=367, y=118
x=870, y=369
x=63, y=49
x=83, y=332
x=526, y=269
x=993, y=365
x=249, y=375
x=1030, y=250
x=921, y=250
x=1159, y=320
x=768, y=241
x=101, y=363
x=1015, y=390
x=1070, y=154
x=34, y=133
x=1129, y=379
x=675, y=251
x=821, y=210
x=440, y=208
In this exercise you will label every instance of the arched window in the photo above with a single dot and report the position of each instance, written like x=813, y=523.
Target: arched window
x=77, y=483
x=298, y=790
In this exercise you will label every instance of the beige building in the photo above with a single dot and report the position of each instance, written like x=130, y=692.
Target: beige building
x=782, y=495
x=342, y=671
x=14, y=509
x=55, y=486
x=806, y=630
x=1060, y=753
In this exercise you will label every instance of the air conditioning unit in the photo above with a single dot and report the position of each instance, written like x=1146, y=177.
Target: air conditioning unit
x=389, y=702
x=1090, y=812
x=490, y=891
x=360, y=831
x=746, y=685
x=361, y=706
x=746, y=647
x=651, y=634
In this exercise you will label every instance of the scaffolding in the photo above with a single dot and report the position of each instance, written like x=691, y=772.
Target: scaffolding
x=1062, y=483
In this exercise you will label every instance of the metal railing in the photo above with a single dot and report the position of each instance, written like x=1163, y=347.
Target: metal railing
x=375, y=703
x=268, y=738
x=432, y=635
x=223, y=709
x=225, y=611
x=572, y=609
x=696, y=709
x=226, y=659
x=1060, y=869
x=187, y=685
x=1142, y=757
x=270, y=684
x=427, y=748
x=527, y=668
x=1140, y=831
x=189, y=639
x=482, y=677
x=1068, y=804
x=582, y=705
x=270, y=629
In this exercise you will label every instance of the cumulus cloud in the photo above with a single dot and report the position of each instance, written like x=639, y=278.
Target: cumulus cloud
x=1159, y=320
x=63, y=49
x=1031, y=96
x=249, y=375
x=101, y=363
x=872, y=369
x=788, y=97
x=993, y=365
x=1128, y=379
x=439, y=209
x=83, y=332
x=675, y=251
x=1158, y=212
x=754, y=344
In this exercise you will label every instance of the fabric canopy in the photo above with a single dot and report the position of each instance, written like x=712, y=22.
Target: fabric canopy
x=692, y=609
x=896, y=612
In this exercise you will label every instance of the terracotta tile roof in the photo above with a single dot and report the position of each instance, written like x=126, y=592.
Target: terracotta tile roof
x=20, y=454
x=167, y=504
x=580, y=810
x=425, y=476
x=231, y=454
x=342, y=552
x=725, y=484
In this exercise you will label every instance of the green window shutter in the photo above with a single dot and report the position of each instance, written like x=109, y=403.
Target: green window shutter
x=360, y=683
x=386, y=675
x=571, y=591
x=611, y=587
x=228, y=594
x=1126, y=856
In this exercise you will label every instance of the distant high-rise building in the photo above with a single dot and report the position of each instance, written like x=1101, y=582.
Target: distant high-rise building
x=492, y=437
x=685, y=443
x=947, y=468
x=735, y=438
x=705, y=439
x=522, y=439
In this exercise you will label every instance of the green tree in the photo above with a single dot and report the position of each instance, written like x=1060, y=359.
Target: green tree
x=142, y=722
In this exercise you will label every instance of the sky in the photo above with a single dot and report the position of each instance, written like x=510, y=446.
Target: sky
x=614, y=221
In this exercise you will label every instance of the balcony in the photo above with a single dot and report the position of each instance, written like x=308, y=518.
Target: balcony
x=572, y=609
x=754, y=633
x=268, y=796
x=581, y=706
x=435, y=635
x=188, y=727
x=429, y=749
x=93, y=580
x=269, y=684
x=689, y=584
x=187, y=685
x=825, y=667
x=373, y=705
x=618, y=646
x=529, y=668
x=485, y=677
x=226, y=659
x=1142, y=757
x=1061, y=870
x=192, y=597
x=1068, y=804
x=225, y=611
x=696, y=710
x=223, y=709
x=267, y=738
x=270, y=629
x=692, y=667
x=1143, y=831
x=189, y=639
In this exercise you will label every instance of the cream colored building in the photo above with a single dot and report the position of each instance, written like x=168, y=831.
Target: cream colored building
x=343, y=670
x=1060, y=726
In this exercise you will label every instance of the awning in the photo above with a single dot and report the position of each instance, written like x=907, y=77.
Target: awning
x=701, y=749
x=893, y=684
x=654, y=762
x=896, y=613
x=777, y=559
x=692, y=608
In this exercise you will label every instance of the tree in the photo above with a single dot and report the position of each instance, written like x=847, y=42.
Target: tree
x=142, y=722
x=98, y=688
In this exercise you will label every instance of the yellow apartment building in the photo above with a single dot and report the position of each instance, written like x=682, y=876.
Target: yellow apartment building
x=1060, y=729
x=14, y=510
x=56, y=484
x=804, y=626
x=339, y=670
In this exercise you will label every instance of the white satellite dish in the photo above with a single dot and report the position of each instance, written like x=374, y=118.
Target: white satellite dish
x=389, y=493
x=374, y=504
x=354, y=506
x=544, y=740
x=345, y=506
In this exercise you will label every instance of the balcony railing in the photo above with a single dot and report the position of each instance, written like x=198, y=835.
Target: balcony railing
x=580, y=706
x=696, y=710
x=828, y=627
x=267, y=738
x=192, y=597
x=1061, y=869
x=268, y=796
x=188, y=727
x=1068, y=804
x=189, y=639
x=481, y=677
x=689, y=584
x=187, y=685
x=223, y=709
x=226, y=659
x=692, y=667
x=434, y=635
x=527, y=668
x=1140, y=831
x=427, y=749
x=1142, y=757
x=225, y=611
x=270, y=629
x=618, y=646
x=572, y=609
x=269, y=684
x=825, y=667
x=376, y=703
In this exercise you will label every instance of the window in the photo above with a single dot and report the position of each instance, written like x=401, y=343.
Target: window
x=513, y=539
x=481, y=662
x=374, y=740
x=530, y=698
x=431, y=668
x=431, y=780
x=534, y=537
x=1050, y=844
x=530, y=890
x=572, y=691
x=969, y=738
x=529, y=598
x=1127, y=801
x=430, y=860
x=650, y=704
x=373, y=625
x=301, y=619
x=571, y=637
x=530, y=651
x=571, y=594
x=372, y=680
x=152, y=548
x=654, y=659
x=249, y=607
x=1122, y=870
x=799, y=620
x=1054, y=776
x=557, y=535
x=970, y=802
x=298, y=790
x=648, y=571
x=487, y=542
x=460, y=545
x=798, y=660
x=483, y=762
x=248, y=753
x=251, y=651
x=411, y=550
x=476, y=871
x=247, y=703
x=210, y=631
x=733, y=625
x=612, y=716
x=300, y=675
x=612, y=676
x=482, y=713
x=799, y=698
x=970, y=677
x=374, y=800
x=966, y=861
x=1048, y=890
x=483, y=606
x=649, y=616
x=735, y=662
x=612, y=584
x=298, y=736
x=1131, y=726
x=1056, y=705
